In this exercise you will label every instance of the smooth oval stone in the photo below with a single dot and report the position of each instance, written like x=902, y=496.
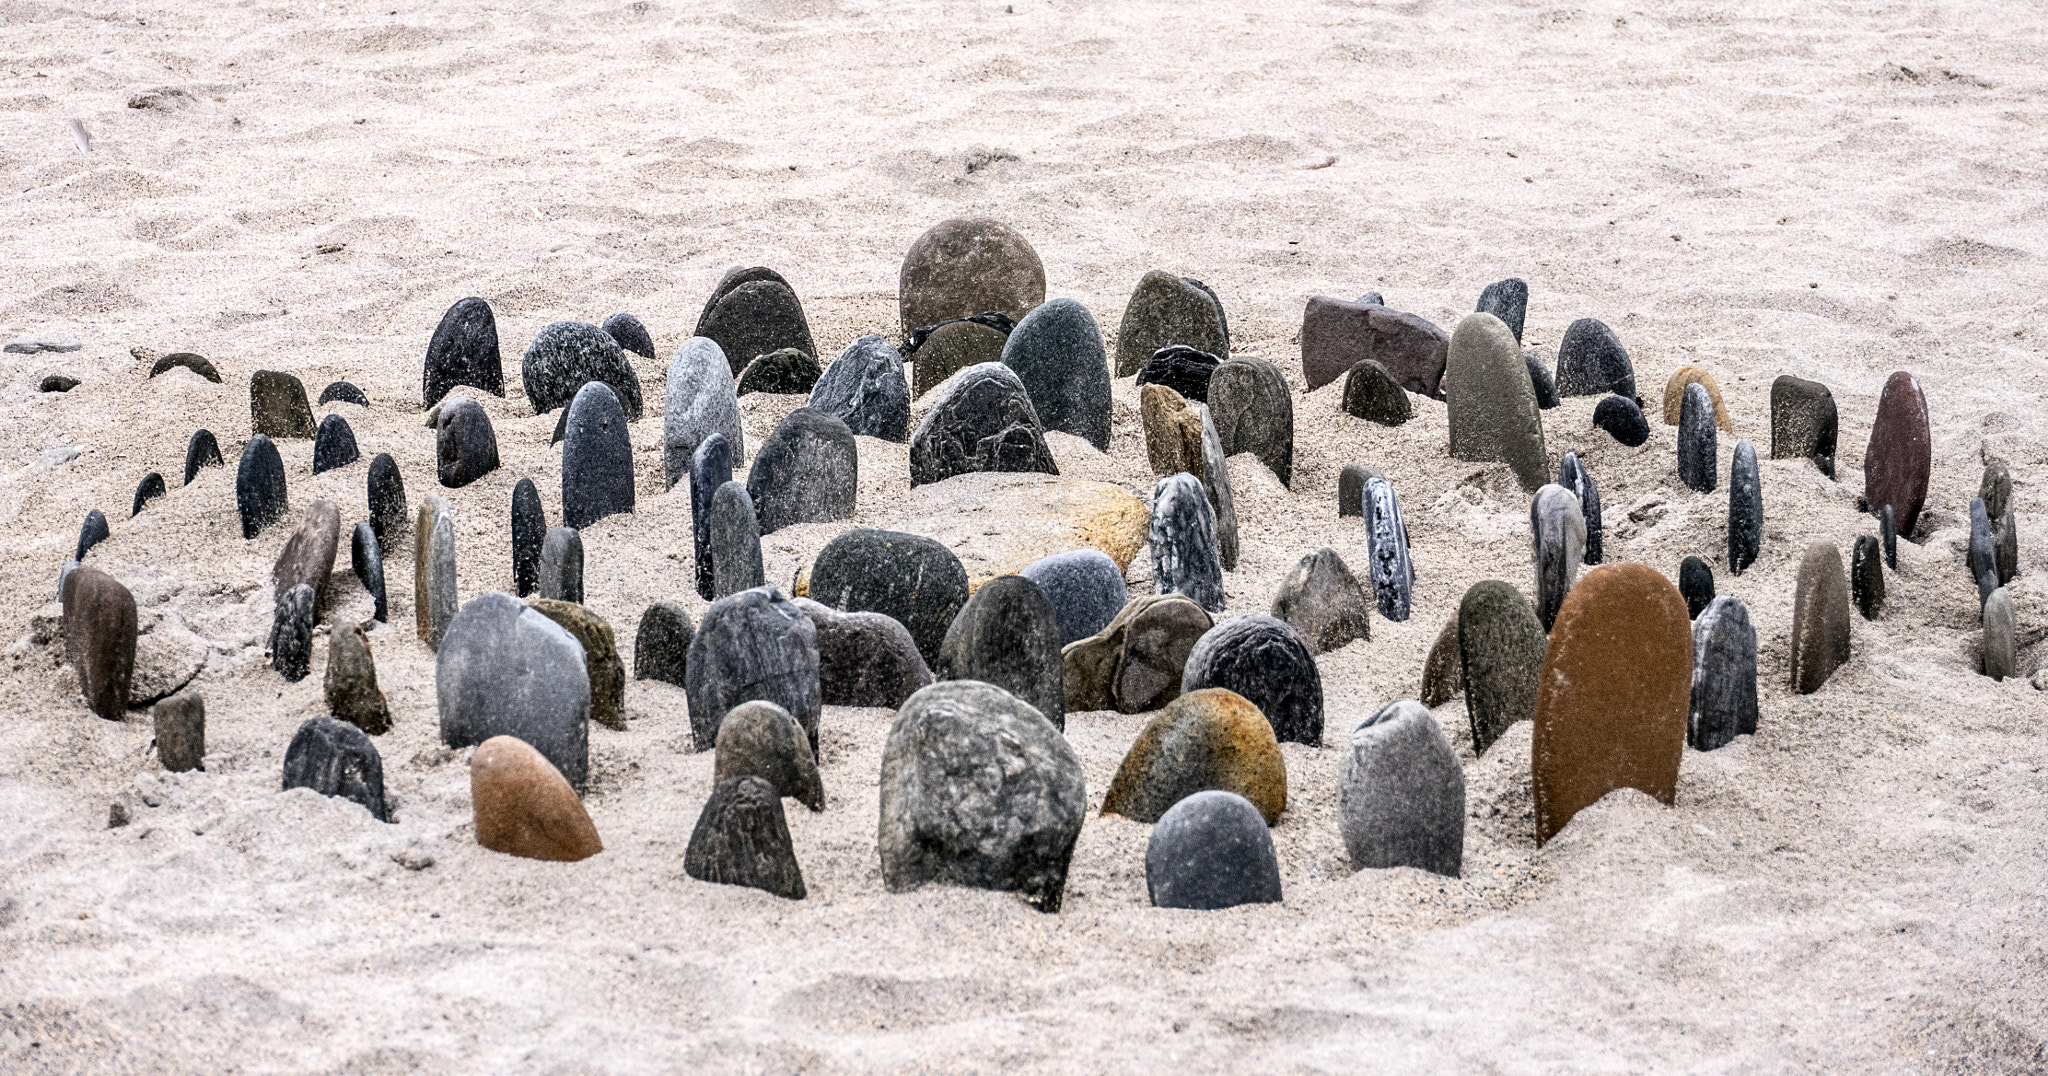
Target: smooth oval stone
x=351, y=681
x=1173, y=431
x=150, y=488
x=198, y=364
x=201, y=451
x=1085, y=587
x=334, y=445
x=742, y=838
x=1388, y=563
x=915, y=580
x=1266, y=661
x=752, y=645
x=308, y=555
x=57, y=383
x=1507, y=300
x=710, y=468
x=1500, y=653
x=1165, y=310
x=1888, y=533
x=1253, y=412
x=386, y=496
x=99, y=639
x=1213, y=738
x=661, y=645
x=561, y=565
x=463, y=351
x=732, y=278
x=965, y=266
x=1723, y=675
x=785, y=372
x=291, y=633
x=1056, y=351
x=735, y=541
x=1745, y=509
x=465, y=447
x=1684, y=378
x=1573, y=476
x=1211, y=850
x=807, y=471
x=1183, y=539
x=1558, y=528
x=91, y=533
x=337, y=759
x=1183, y=369
x=978, y=789
x=2001, y=626
x=600, y=658
x=524, y=806
x=1540, y=380
x=1820, y=618
x=259, y=486
x=366, y=559
x=1135, y=663
x=1611, y=705
x=1697, y=452
x=1351, y=489
x=864, y=659
x=631, y=335
x=1803, y=422
x=434, y=595
x=982, y=421
x=1591, y=361
x=1866, y=577
x=1490, y=402
x=1901, y=453
x=529, y=533
x=1215, y=475
x=277, y=405
x=1696, y=583
x=505, y=669
x=760, y=739
x=1006, y=635
x=597, y=459
x=566, y=355
x=1337, y=335
x=700, y=400
x=753, y=318
x=342, y=392
x=1621, y=417
x=952, y=347
x=1324, y=603
x=864, y=388
x=1371, y=393
x=180, y=725
x=1401, y=794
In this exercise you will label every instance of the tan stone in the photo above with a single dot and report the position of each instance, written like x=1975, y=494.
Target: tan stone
x=1134, y=664
x=1173, y=430
x=351, y=681
x=524, y=806
x=1674, y=395
x=1210, y=738
x=999, y=523
x=600, y=658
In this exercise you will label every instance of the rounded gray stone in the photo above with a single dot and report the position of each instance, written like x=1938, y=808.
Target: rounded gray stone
x=1211, y=850
x=1006, y=635
x=864, y=387
x=1266, y=661
x=566, y=355
x=1085, y=587
x=1401, y=794
x=1057, y=353
x=505, y=669
x=699, y=400
x=752, y=645
x=1183, y=541
x=808, y=471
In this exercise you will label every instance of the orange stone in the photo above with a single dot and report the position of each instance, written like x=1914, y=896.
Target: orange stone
x=525, y=807
x=1611, y=705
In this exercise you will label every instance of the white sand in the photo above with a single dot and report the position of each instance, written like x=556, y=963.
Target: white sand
x=1859, y=887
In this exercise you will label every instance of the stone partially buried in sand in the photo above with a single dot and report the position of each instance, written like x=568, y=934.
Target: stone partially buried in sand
x=465, y=446
x=1698, y=458
x=1557, y=527
x=760, y=739
x=661, y=645
x=1674, y=395
x=1371, y=393
x=953, y=347
x=1820, y=618
x=808, y=471
x=1803, y=422
x=630, y=333
x=982, y=421
x=260, y=495
x=1057, y=353
x=1337, y=335
x=506, y=670
x=201, y=451
x=1866, y=577
x=1723, y=675
x=180, y=724
x=742, y=838
x=1507, y=300
x=291, y=633
x=914, y=580
x=335, y=758
x=561, y=565
x=1388, y=564
x=566, y=355
x=1500, y=653
x=334, y=445
x=1897, y=463
x=1324, y=602
x=99, y=639
x=1183, y=539
x=864, y=659
x=752, y=645
x=1266, y=662
x=1591, y=361
x=1173, y=431
x=351, y=681
x=278, y=407
x=784, y=372
x=1443, y=671
x=1165, y=310
x=1085, y=587
x=1209, y=851
x=699, y=402
x=1212, y=738
x=1490, y=403
x=308, y=555
x=1401, y=794
x=1134, y=664
x=597, y=459
x=710, y=468
x=735, y=542
x=864, y=387
x=463, y=351
x=966, y=266
x=1183, y=369
x=385, y=491
x=524, y=807
x=1253, y=412
x=751, y=315
x=1006, y=635
x=600, y=658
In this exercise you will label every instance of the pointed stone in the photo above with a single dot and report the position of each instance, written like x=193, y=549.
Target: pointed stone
x=965, y=266
x=954, y=346
x=529, y=533
x=1253, y=412
x=91, y=533
x=1820, y=618
x=597, y=459
x=1500, y=649
x=742, y=838
x=561, y=565
x=1183, y=538
x=1507, y=300
x=1401, y=794
x=710, y=468
x=1723, y=675
x=278, y=407
x=1181, y=368
x=351, y=681
x=1371, y=393
x=1165, y=310
x=505, y=669
x=1135, y=663
x=1698, y=457
x=1803, y=422
x=366, y=559
x=465, y=447
x=1558, y=527
x=1173, y=431
x=1899, y=459
x=1086, y=590
x=337, y=759
x=661, y=645
x=788, y=372
x=808, y=471
x=752, y=645
x=334, y=445
x=601, y=664
x=1338, y=335
x=1674, y=395
x=700, y=401
x=150, y=488
x=1490, y=402
x=630, y=333
x=1323, y=602
x=1214, y=738
x=2001, y=626
x=864, y=659
x=1215, y=475
x=1573, y=476
x=259, y=486
x=753, y=318
x=735, y=542
x=180, y=724
x=386, y=495
x=99, y=639
x=1622, y=418
x=308, y=555
x=1866, y=577
x=463, y=351
x=1443, y=671
x=201, y=451
x=1006, y=635
x=1388, y=563
x=1745, y=509
x=864, y=388
x=983, y=421
x=566, y=355
x=1696, y=583
x=1541, y=380
x=1265, y=661
x=291, y=633
x=525, y=807
x=1591, y=361
x=1057, y=353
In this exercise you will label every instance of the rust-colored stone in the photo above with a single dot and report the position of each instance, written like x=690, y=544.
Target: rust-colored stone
x=1211, y=738
x=525, y=807
x=1901, y=453
x=1820, y=618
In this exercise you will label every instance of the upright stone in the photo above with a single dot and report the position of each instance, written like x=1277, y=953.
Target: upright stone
x=1901, y=452
x=1443, y=671
x=1541, y=380
x=1183, y=369
x=463, y=351
x=1573, y=476
x=954, y=346
x=735, y=542
x=278, y=407
x=1500, y=649
x=1253, y=412
x=754, y=311
x=1057, y=354
x=308, y=555
x=180, y=724
x=914, y=580
x=965, y=266
x=1507, y=300
x=1166, y=310
x=1684, y=378
x=1696, y=583
x=334, y=445
x=601, y=662
x=597, y=459
x=1745, y=508
x=1183, y=539
x=529, y=533
x=752, y=645
x=505, y=669
x=259, y=486
x=698, y=403
x=561, y=565
x=630, y=333
x=1337, y=335
x=1006, y=635
x=1323, y=601
x=1388, y=563
x=984, y=421
x=1085, y=587
x=1623, y=418
x=1173, y=431
x=201, y=451
x=524, y=805
x=337, y=759
x=1996, y=489
x=1215, y=476
x=864, y=659
x=566, y=355
x=1490, y=402
x=1401, y=794
x=661, y=645
x=1558, y=527
x=1267, y=662
x=1803, y=422
x=433, y=577
x=91, y=533
x=1591, y=361
x=710, y=468
x=1820, y=618
x=1371, y=393
x=2001, y=626
x=99, y=639
x=742, y=838
x=291, y=633
x=1866, y=577
x=1723, y=675
x=808, y=471
x=1698, y=455
x=1888, y=533
x=1351, y=489
x=386, y=495
x=1211, y=850
x=865, y=388
x=1212, y=738
x=788, y=372
x=366, y=557
x=351, y=681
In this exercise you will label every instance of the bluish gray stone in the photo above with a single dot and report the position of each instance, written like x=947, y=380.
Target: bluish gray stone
x=463, y=351
x=385, y=490
x=597, y=459
x=291, y=633
x=1387, y=560
x=864, y=659
x=1591, y=361
x=334, y=445
x=661, y=646
x=1623, y=418
x=700, y=400
x=201, y=451
x=710, y=468
x=808, y=471
x=565, y=356
x=1745, y=506
x=1507, y=300
x=1006, y=635
x=1698, y=457
x=1723, y=675
x=1254, y=412
x=366, y=557
x=1266, y=661
x=631, y=335
x=742, y=838
x=735, y=542
x=259, y=486
x=150, y=488
x=1211, y=850
x=1573, y=476
x=335, y=758
x=1558, y=528
x=1696, y=582
x=982, y=421
x=752, y=645
x=912, y=579
x=561, y=565
x=529, y=533
x=505, y=669
x=465, y=446
x=1057, y=353
x=1401, y=794
x=1183, y=539
x=1085, y=587
x=438, y=587
x=864, y=388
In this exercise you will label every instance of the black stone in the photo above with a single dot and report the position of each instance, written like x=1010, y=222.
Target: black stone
x=755, y=317
x=1387, y=560
x=1183, y=539
x=915, y=580
x=1803, y=422
x=291, y=633
x=1351, y=489
x=1623, y=417
x=1591, y=361
x=91, y=533
x=1696, y=582
x=1745, y=508
x=1211, y=850
x=180, y=724
x=1371, y=393
x=58, y=383
x=1541, y=380
x=465, y=446
x=735, y=541
x=661, y=646
x=259, y=486
x=752, y=645
x=1253, y=411
x=1267, y=662
x=1507, y=300
x=335, y=758
x=529, y=533
x=742, y=838
x=597, y=459
x=710, y=468
x=807, y=471
x=1982, y=560
x=343, y=392
x=334, y=445
x=733, y=278
x=1183, y=369
x=1723, y=675
x=1085, y=587
x=1698, y=451
x=864, y=388
x=277, y=405
x=864, y=659
x=1573, y=476
x=201, y=451
x=463, y=351
x=366, y=556
x=561, y=565
x=565, y=356
x=631, y=335
x=561, y=426
x=1866, y=577
x=150, y=488
x=1006, y=635
x=1888, y=532
x=195, y=363
x=386, y=498
x=1057, y=353
x=787, y=372
x=983, y=421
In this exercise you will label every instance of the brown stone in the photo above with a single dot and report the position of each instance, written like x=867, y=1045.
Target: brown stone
x=1336, y=335
x=1443, y=671
x=999, y=523
x=1611, y=705
x=1901, y=453
x=951, y=348
x=351, y=681
x=1674, y=395
x=1820, y=618
x=308, y=555
x=1165, y=310
x=278, y=407
x=1173, y=430
x=524, y=807
x=99, y=639
x=1135, y=663
x=1210, y=738
x=600, y=658
x=966, y=266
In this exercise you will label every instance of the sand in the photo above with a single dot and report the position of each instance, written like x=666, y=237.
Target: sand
x=1831, y=190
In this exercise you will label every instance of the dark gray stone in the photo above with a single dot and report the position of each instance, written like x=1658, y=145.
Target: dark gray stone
x=1866, y=577
x=699, y=401
x=1558, y=528
x=752, y=645
x=1696, y=582
x=1006, y=635
x=1401, y=794
x=91, y=533
x=1573, y=476
x=1351, y=489
x=201, y=451
x=732, y=278
x=1820, y=618
x=1166, y=310
x=1981, y=560
x=150, y=488
x=366, y=558
x=1490, y=403
x=1371, y=393
x=180, y=732
x=914, y=580
x=661, y=646
x=983, y=421
x=195, y=363
x=788, y=372
x=1803, y=422
x=710, y=468
x=1211, y=850
x=334, y=445
x=808, y=471
x=291, y=633
x=1996, y=487
x=864, y=388
x=597, y=459
x=1591, y=361
x=1337, y=335
x=386, y=496
x=1888, y=533
x=278, y=407
x=756, y=317
x=1216, y=483
x=57, y=383
x=99, y=638
x=742, y=838
x=1085, y=587
x=341, y=392
x=561, y=565
x=955, y=345
x=1183, y=369
x=1745, y=506
x=1387, y=560
x=463, y=351
x=1698, y=454
x=335, y=758
x=631, y=335
x=1253, y=412
x=1623, y=418
x=1500, y=652
x=1266, y=661
x=529, y=533
x=2001, y=628
x=1323, y=601
x=259, y=486
x=565, y=356
x=505, y=669
x=978, y=789
x=1540, y=380
x=864, y=659
x=1057, y=354
x=1183, y=539
x=1507, y=300
x=465, y=447
x=1723, y=675
x=735, y=541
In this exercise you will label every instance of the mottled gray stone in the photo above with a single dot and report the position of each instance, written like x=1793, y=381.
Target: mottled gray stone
x=1216, y=483
x=1723, y=675
x=385, y=490
x=699, y=400
x=260, y=494
x=742, y=838
x=291, y=633
x=566, y=355
x=808, y=471
x=864, y=387
x=864, y=659
x=952, y=347
x=337, y=759
x=505, y=669
x=99, y=637
x=1057, y=353
x=529, y=534
x=597, y=459
x=1623, y=418
x=1803, y=422
x=710, y=468
x=983, y=421
x=1745, y=506
x=1500, y=652
x=334, y=445
x=1591, y=361
x=561, y=565
x=661, y=645
x=1698, y=458
x=1165, y=310
x=752, y=645
x=1323, y=601
x=1507, y=300
x=1006, y=635
x=1211, y=850
x=1401, y=794
x=278, y=406
x=788, y=372
x=630, y=333
x=2001, y=626
x=1573, y=476
x=1387, y=560
x=964, y=266
x=912, y=579
x=1371, y=393
x=341, y=392
x=735, y=542
x=1980, y=559
x=1183, y=540
x=1266, y=661
x=350, y=683
x=1866, y=577
x=1253, y=412
x=1085, y=587
x=1490, y=402
x=180, y=724
x=1558, y=528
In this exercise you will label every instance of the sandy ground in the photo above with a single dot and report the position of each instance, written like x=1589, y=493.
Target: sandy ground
x=1829, y=189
